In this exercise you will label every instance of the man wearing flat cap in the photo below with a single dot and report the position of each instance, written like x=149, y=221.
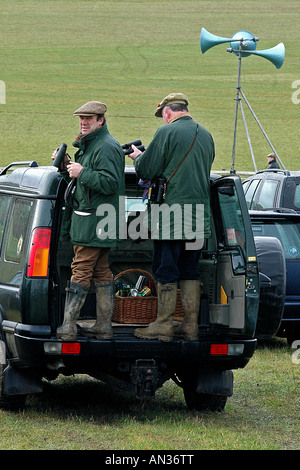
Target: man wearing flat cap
x=98, y=173
x=182, y=152
x=272, y=162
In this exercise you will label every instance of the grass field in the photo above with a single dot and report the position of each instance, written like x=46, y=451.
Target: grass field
x=57, y=54
x=83, y=414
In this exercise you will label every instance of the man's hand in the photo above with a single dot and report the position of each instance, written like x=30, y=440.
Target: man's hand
x=74, y=169
x=66, y=159
x=135, y=153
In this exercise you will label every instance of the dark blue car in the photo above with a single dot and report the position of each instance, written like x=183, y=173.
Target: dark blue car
x=285, y=226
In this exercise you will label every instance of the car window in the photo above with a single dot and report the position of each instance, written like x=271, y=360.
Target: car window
x=17, y=230
x=4, y=205
x=287, y=232
x=266, y=198
x=250, y=192
x=245, y=185
x=297, y=196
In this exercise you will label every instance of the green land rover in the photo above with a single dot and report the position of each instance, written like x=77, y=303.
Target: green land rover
x=35, y=266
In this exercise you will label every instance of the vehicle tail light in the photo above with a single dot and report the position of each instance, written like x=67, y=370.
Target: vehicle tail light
x=55, y=347
x=70, y=348
x=234, y=349
x=216, y=349
x=39, y=253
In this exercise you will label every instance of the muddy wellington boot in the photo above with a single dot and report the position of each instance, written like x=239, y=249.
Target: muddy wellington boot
x=162, y=328
x=190, y=298
x=75, y=298
x=105, y=300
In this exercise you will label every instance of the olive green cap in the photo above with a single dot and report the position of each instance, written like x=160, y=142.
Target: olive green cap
x=172, y=98
x=90, y=108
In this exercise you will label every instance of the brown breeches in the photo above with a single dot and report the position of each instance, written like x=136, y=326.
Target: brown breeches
x=90, y=263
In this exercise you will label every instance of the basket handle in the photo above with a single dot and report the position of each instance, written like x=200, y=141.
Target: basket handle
x=141, y=271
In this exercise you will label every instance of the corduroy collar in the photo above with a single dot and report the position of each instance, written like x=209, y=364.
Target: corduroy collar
x=178, y=116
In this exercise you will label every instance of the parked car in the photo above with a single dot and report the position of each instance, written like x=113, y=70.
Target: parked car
x=34, y=269
x=285, y=226
x=273, y=188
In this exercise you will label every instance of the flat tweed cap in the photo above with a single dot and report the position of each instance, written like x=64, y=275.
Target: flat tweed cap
x=172, y=98
x=90, y=108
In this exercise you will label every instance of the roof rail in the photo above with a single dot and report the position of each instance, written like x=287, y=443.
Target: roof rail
x=32, y=163
x=274, y=170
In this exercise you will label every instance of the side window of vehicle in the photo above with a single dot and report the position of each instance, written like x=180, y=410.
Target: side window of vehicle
x=250, y=192
x=17, y=230
x=297, y=197
x=4, y=205
x=266, y=198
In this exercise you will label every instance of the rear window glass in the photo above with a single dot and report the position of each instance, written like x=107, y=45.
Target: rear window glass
x=286, y=231
x=17, y=230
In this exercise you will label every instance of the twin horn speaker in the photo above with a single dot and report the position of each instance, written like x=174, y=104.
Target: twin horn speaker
x=243, y=43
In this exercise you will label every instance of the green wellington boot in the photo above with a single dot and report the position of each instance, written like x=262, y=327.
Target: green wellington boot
x=162, y=328
x=190, y=298
x=75, y=298
x=105, y=300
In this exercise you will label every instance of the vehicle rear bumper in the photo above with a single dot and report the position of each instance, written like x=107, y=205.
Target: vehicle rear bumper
x=35, y=346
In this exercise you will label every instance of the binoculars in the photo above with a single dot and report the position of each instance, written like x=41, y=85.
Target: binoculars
x=60, y=155
x=128, y=147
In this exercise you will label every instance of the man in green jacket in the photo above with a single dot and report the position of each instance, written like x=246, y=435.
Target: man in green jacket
x=182, y=152
x=98, y=174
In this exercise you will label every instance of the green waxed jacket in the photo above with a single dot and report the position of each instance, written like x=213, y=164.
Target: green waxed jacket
x=99, y=190
x=188, y=189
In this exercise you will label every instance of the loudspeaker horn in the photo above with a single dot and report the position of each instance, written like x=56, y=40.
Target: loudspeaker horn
x=275, y=54
x=208, y=40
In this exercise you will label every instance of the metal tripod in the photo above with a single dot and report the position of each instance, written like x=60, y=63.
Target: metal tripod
x=238, y=103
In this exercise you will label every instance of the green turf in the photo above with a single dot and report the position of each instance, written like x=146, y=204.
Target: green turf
x=57, y=54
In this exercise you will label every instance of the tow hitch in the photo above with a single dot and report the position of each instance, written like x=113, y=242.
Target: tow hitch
x=144, y=376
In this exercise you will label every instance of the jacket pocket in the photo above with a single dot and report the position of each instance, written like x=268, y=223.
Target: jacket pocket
x=83, y=228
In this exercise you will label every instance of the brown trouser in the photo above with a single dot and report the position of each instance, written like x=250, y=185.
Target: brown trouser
x=90, y=263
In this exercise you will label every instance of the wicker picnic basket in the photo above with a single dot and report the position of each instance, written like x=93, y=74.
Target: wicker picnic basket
x=140, y=310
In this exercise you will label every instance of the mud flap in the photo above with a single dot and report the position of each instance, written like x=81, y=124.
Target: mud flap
x=16, y=382
x=215, y=382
